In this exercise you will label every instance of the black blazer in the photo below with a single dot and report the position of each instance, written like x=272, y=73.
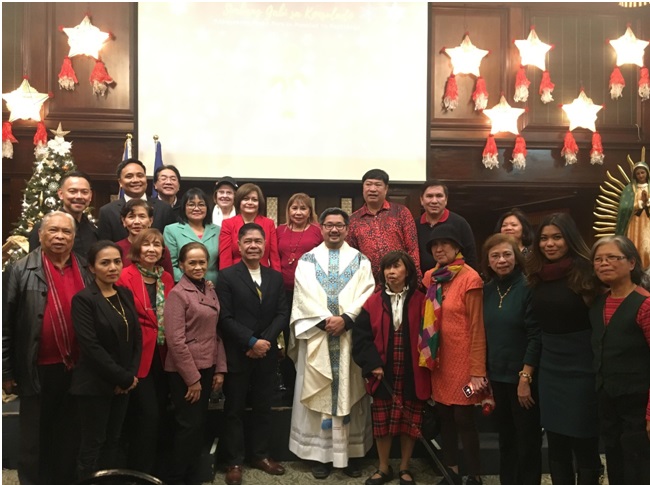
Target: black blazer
x=110, y=222
x=107, y=358
x=243, y=315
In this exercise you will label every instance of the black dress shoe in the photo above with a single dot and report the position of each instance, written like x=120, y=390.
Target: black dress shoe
x=352, y=470
x=321, y=470
x=382, y=478
x=406, y=482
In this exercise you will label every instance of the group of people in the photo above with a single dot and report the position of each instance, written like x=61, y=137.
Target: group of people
x=168, y=300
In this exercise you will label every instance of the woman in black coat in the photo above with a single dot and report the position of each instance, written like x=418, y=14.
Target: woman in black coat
x=110, y=341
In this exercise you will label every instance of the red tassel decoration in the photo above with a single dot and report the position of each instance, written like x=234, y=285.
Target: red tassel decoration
x=67, y=76
x=8, y=139
x=519, y=153
x=644, y=84
x=490, y=153
x=597, y=156
x=450, y=101
x=616, y=84
x=546, y=87
x=480, y=95
x=570, y=149
x=521, y=85
x=40, y=138
x=100, y=79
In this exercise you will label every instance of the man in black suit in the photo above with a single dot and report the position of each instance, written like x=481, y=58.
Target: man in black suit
x=132, y=177
x=254, y=311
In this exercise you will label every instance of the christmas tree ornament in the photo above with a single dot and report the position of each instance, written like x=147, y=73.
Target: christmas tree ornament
x=59, y=132
x=450, y=100
x=8, y=140
x=644, y=84
x=85, y=39
x=521, y=86
x=519, y=153
x=629, y=49
x=480, y=95
x=546, y=88
x=67, y=76
x=582, y=112
x=616, y=84
x=490, y=153
x=533, y=50
x=25, y=102
x=570, y=149
x=504, y=117
x=40, y=138
x=466, y=58
x=596, y=154
x=100, y=79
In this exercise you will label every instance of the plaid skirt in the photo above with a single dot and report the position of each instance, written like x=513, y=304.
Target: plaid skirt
x=395, y=416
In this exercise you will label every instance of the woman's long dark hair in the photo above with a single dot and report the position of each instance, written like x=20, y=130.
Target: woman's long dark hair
x=580, y=275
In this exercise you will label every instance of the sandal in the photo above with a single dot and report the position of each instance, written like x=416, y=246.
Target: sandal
x=406, y=482
x=382, y=478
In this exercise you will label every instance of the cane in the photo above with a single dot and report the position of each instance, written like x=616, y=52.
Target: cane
x=422, y=439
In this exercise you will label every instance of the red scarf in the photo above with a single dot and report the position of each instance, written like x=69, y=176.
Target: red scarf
x=555, y=271
x=59, y=306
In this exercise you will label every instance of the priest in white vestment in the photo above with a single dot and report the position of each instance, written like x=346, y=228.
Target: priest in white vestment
x=331, y=420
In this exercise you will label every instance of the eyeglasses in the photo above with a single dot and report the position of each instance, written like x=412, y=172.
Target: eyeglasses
x=192, y=205
x=610, y=259
x=329, y=226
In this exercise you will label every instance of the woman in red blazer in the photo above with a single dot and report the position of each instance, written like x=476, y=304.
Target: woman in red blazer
x=150, y=286
x=250, y=201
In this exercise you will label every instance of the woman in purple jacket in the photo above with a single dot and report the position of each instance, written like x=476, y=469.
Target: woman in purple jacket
x=196, y=360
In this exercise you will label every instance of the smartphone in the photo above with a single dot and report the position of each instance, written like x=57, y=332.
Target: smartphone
x=468, y=391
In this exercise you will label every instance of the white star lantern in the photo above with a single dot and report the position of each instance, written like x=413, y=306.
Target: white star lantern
x=85, y=39
x=582, y=112
x=629, y=49
x=533, y=51
x=504, y=117
x=25, y=102
x=466, y=58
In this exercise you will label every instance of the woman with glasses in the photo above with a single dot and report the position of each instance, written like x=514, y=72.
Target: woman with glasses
x=620, y=321
x=195, y=226
x=249, y=200
x=561, y=277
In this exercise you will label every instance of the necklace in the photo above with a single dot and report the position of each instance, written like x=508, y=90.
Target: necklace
x=501, y=297
x=292, y=251
x=120, y=312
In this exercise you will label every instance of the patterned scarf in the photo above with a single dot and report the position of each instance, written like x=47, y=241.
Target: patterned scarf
x=60, y=309
x=160, y=298
x=429, y=338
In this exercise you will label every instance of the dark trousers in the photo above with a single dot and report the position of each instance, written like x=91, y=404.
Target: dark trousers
x=48, y=435
x=562, y=449
x=147, y=406
x=260, y=378
x=190, y=422
x=623, y=428
x=287, y=366
x=520, y=436
x=459, y=420
x=101, y=419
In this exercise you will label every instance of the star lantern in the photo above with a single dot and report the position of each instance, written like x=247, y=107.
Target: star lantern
x=504, y=119
x=465, y=59
x=582, y=113
x=533, y=50
x=629, y=50
x=521, y=86
x=25, y=102
x=644, y=84
x=8, y=139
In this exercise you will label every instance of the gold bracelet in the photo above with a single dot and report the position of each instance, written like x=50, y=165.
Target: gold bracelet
x=526, y=376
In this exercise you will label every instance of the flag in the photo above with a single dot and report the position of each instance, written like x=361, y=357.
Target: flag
x=128, y=149
x=158, y=162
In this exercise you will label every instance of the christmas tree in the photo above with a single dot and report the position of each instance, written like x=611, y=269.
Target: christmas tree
x=53, y=160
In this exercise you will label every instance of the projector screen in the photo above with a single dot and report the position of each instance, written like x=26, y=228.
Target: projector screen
x=284, y=91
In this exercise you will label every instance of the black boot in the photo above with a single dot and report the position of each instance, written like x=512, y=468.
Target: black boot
x=562, y=473
x=588, y=476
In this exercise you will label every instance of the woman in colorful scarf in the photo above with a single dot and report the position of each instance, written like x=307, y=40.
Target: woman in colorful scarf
x=150, y=286
x=513, y=348
x=561, y=277
x=196, y=359
x=621, y=342
x=385, y=346
x=452, y=346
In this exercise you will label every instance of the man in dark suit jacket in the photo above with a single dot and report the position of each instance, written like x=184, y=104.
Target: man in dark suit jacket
x=132, y=177
x=254, y=311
